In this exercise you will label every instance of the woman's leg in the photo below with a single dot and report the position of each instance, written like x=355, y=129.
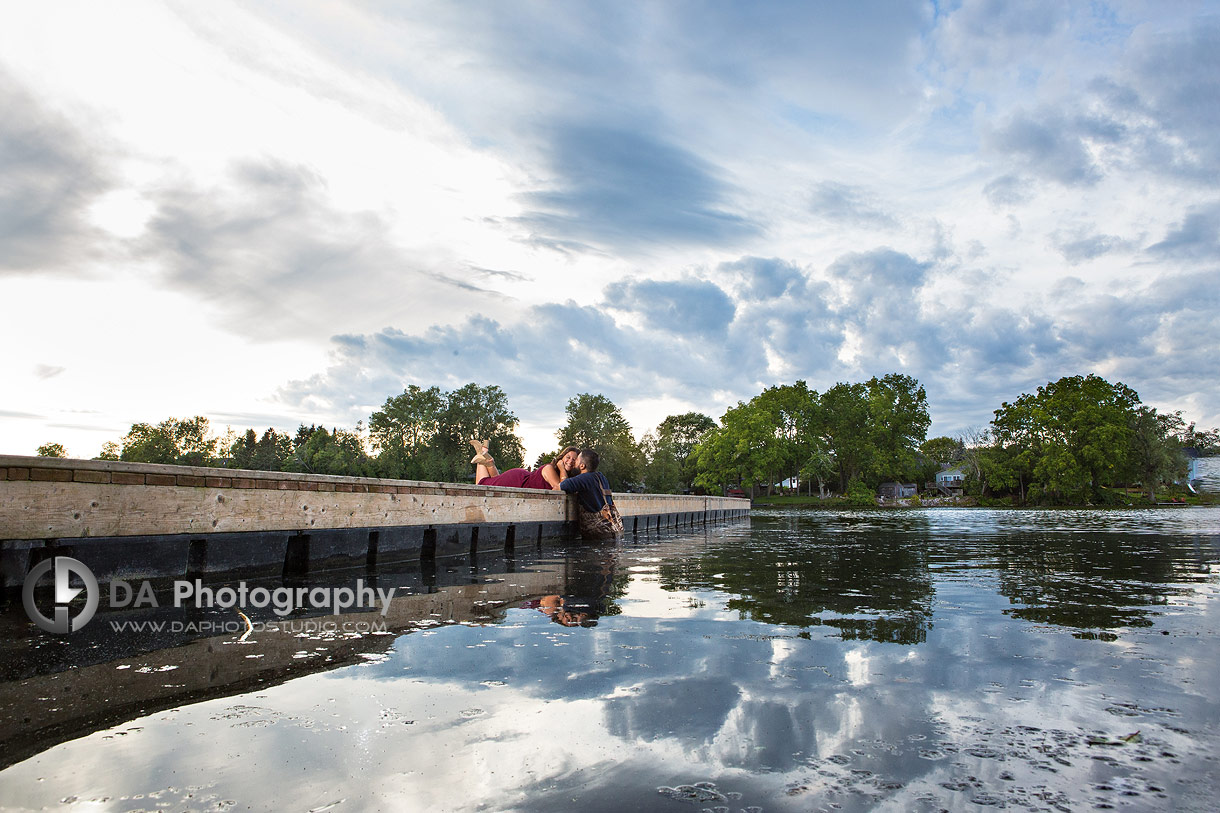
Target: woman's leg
x=486, y=467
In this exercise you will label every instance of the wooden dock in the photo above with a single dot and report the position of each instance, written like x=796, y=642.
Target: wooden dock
x=134, y=520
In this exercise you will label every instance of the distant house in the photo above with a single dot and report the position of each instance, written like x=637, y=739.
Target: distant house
x=950, y=480
x=897, y=490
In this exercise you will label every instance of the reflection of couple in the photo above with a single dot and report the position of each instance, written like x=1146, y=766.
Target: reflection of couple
x=588, y=587
x=567, y=611
x=574, y=471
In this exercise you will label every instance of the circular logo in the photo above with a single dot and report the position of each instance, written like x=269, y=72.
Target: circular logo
x=62, y=623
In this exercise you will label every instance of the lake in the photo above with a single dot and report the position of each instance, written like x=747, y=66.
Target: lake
x=799, y=660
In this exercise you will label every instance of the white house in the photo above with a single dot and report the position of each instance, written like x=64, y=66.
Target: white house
x=950, y=478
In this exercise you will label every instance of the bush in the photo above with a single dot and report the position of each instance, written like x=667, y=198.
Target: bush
x=860, y=496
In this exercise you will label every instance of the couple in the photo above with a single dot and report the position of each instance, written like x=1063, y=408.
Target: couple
x=574, y=471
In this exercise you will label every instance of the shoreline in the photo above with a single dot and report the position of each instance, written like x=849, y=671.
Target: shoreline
x=839, y=504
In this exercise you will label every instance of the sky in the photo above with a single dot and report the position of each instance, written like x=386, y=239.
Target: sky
x=275, y=213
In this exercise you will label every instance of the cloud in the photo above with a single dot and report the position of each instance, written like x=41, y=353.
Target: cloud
x=689, y=307
x=51, y=175
x=660, y=709
x=1082, y=245
x=763, y=278
x=1050, y=145
x=45, y=371
x=1197, y=237
x=266, y=246
x=768, y=322
x=1008, y=190
x=8, y=413
x=875, y=273
x=627, y=189
x=841, y=203
x=1175, y=82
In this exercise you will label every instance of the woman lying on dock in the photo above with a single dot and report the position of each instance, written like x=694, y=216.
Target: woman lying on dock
x=546, y=477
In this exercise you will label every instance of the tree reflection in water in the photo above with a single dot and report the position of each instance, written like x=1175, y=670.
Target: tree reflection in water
x=799, y=571
x=1094, y=581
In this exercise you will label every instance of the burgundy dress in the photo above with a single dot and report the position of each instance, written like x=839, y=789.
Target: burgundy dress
x=518, y=478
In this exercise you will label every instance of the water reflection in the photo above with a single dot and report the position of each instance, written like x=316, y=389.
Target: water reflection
x=870, y=581
x=702, y=686
x=1096, y=582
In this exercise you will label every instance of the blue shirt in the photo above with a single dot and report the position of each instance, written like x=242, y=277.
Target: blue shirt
x=588, y=488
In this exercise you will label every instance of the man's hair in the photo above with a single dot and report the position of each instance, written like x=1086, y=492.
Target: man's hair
x=591, y=458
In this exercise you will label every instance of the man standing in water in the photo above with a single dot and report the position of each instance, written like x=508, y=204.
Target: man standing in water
x=599, y=518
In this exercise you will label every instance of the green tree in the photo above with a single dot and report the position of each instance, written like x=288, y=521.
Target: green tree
x=595, y=422
x=110, y=451
x=745, y=449
x=52, y=450
x=338, y=451
x=403, y=433
x=424, y=434
x=670, y=468
x=943, y=450
x=663, y=470
x=898, y=425
x=1156, y=455
x=475, y=412
x=1071, y=437
x=684, y=431
x=271, y=452
x=845, y=423
x=183, y=441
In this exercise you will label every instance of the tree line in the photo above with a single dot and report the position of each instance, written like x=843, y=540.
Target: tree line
x=1068, y=442
x=1073, y=441
x=421, y=434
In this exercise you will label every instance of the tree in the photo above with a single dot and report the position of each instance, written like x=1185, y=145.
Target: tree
x=943, y=450
x=670, y=468
x=402, y=431
x=1156, y=454
x=684, y=431
x=52, y=450
x=272, y=452
x=424, y=434
x=663, y=470
x=595, y=422
x=1071, y=437
x=338, y=452
x=898, y=424
x=475, y=412
x=845, y=418
x=790, y=411
x=746, y=448
x=183, y=441
x=110, y=451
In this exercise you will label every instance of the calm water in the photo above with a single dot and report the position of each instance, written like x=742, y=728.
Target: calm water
x=904, y=660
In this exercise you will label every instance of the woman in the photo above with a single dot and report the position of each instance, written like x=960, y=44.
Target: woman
x=546, y=477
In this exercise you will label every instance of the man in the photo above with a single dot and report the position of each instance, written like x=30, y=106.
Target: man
x=599, y=518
